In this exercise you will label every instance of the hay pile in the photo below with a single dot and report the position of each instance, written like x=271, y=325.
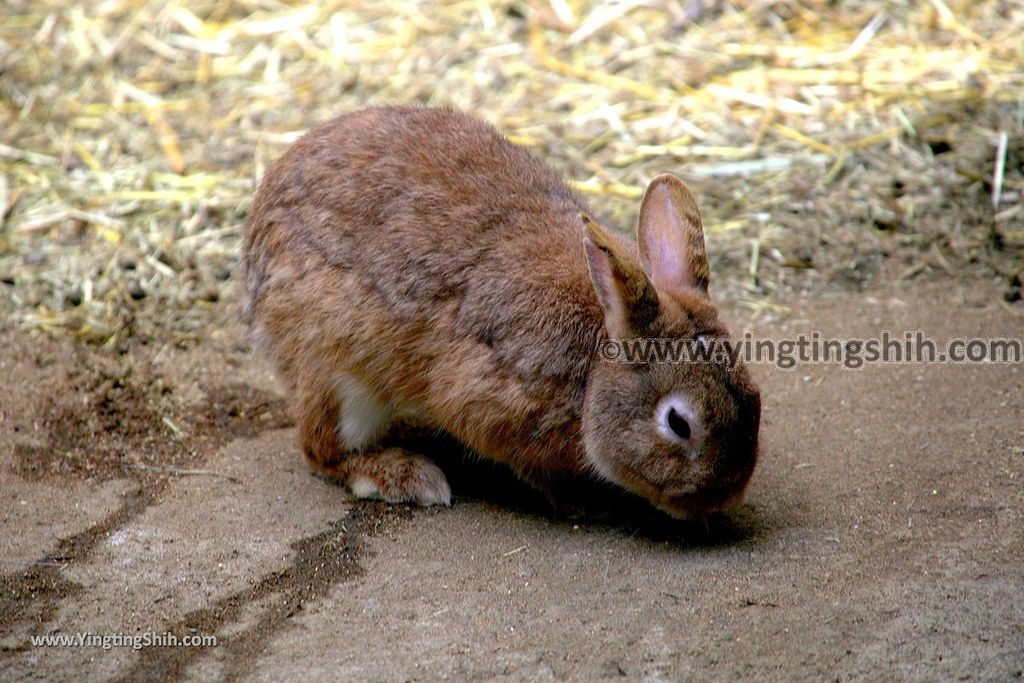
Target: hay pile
x=825, y=140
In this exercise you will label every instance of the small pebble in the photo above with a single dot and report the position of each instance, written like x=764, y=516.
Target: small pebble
x=222, y=273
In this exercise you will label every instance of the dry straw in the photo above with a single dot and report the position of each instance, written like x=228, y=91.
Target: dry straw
x=824, y=139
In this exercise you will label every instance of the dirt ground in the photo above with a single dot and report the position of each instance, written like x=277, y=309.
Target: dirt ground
x=161, y=490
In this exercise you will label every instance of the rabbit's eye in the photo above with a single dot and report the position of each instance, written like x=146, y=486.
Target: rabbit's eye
x=678, y=424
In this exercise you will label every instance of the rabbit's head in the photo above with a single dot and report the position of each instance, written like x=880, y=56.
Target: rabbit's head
x=660, y=420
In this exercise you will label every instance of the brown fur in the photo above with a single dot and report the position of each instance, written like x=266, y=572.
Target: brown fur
x=420, y=252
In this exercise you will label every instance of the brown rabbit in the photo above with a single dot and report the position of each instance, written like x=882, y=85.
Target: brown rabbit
x=409, y=263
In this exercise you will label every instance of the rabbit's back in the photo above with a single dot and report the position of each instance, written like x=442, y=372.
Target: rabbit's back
x=439, y=260
x=428, y=204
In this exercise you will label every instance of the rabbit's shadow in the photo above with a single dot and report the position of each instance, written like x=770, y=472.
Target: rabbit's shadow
x=590, y=503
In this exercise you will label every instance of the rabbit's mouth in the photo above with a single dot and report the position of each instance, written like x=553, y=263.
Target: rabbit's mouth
x=701, y=505
x=686, y=501
x=682, y=502
x=691, y=501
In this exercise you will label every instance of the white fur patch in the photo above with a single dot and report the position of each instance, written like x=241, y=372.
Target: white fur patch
x=364, y=488
x=363, y=415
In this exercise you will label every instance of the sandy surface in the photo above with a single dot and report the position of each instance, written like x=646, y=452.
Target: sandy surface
x=161, y=491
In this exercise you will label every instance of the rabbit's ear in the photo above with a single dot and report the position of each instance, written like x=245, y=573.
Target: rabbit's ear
x=624, y=292
x=671, y=237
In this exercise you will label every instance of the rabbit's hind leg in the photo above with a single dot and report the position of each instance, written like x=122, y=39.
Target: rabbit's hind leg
x=397, y=476
x=340, y=425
